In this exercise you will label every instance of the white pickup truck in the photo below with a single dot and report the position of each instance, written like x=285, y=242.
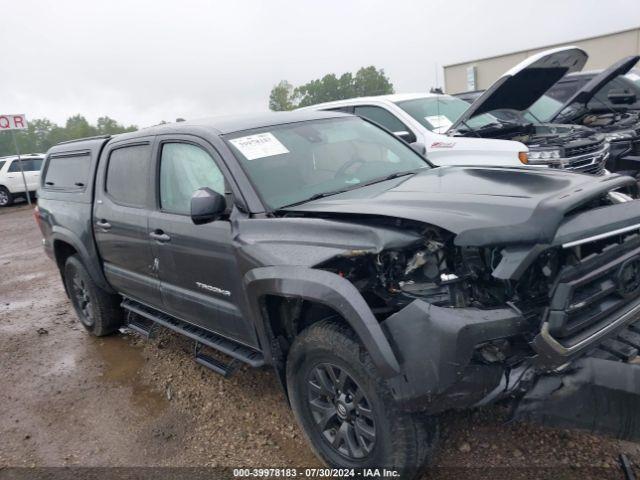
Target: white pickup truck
x=394, y=113
x=11, y=182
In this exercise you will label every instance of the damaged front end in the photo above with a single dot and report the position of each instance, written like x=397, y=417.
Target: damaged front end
x=534, y=324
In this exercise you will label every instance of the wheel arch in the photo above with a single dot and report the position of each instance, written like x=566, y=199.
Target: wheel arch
x=326, y=294
x=65, y=243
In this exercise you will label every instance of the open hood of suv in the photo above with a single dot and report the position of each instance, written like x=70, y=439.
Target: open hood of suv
x=520, y=87
x=593, y=86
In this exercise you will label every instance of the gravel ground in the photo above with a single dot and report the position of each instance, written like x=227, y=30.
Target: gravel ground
x=71, y=400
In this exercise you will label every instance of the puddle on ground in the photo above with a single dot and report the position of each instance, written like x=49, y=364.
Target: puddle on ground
x=122, y=364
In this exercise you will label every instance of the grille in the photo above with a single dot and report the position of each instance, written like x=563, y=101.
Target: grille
x=592, y=162
x=587, y=294
x=582, y=149
x=587, y=166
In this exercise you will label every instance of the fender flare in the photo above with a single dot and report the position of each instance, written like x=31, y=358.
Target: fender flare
x=330, y=290
x=89, y=259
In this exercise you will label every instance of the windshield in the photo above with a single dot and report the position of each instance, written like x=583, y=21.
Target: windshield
x=543, y=109
x=438, y=113
x=294, y=162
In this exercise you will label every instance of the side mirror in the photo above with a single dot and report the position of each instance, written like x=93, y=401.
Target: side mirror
x=621, y=97
x=419, y=148
x=207, y=206
x=404, y=135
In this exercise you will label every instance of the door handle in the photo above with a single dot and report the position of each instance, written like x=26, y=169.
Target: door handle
x=103, y=224
x=160, y=236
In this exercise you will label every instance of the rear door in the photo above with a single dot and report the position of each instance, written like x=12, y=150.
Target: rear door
x=121, y=217
x=200, y=280
x=31, y=168
x=32, y=173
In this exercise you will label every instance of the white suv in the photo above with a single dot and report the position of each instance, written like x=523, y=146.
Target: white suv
x=11, y=182
x=397, y=113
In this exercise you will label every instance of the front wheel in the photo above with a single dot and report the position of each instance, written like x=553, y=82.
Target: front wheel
x=346, y=409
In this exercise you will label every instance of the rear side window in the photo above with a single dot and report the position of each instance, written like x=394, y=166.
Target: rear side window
x=28, y=165
x=127, y=175
x=67, y=172
x=2, y=162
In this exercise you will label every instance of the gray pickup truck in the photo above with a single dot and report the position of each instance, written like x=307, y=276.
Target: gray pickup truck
x=382, y=290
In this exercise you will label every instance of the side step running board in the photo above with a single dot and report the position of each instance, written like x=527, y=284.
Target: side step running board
x=145, y=329
x=224, y=345
x=224, y=369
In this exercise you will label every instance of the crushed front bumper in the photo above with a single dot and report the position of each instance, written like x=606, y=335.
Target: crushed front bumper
x=597, y=395
x=436, y=347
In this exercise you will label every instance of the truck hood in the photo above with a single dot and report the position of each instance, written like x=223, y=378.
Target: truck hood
x=593, y=86
x=520, y=87
x=482, y=206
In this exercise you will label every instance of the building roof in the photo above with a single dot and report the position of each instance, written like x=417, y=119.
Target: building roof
x=535, y=48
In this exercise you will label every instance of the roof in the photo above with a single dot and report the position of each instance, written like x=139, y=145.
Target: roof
x=236, y=123
x=394, y=97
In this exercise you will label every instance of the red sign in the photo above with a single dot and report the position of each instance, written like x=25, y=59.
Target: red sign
x=13, y=122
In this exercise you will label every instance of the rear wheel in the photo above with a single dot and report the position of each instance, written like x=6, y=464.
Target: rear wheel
x=346, y=409
x=6, y=198
x=98, y=311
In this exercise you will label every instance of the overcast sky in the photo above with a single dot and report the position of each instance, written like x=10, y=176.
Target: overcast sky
x=145, y=61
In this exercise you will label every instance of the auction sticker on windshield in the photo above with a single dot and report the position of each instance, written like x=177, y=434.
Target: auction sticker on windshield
x=259, y=146
x=439, y=122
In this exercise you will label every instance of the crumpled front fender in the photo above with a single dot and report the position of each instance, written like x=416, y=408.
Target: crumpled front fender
x=328, y=289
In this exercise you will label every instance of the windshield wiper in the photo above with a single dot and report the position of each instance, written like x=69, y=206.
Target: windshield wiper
x=317, y=196
x=391, y=177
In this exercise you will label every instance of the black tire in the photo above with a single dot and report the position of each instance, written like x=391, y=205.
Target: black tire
x=401, y=441
x=6, y=198
x=98, y=311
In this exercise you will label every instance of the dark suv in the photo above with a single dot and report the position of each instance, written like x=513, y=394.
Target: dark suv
x=382, y=290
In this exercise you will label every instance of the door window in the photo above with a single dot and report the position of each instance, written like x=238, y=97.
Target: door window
x=184, y=168
x=127, y=175
x=381, y=117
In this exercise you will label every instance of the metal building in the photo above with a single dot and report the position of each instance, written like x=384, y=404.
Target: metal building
x=479, y=74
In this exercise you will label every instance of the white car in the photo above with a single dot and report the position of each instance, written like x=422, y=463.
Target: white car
x=11, y=182
x=421, y=118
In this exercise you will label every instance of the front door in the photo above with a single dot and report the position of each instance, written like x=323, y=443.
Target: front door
x=198, y=273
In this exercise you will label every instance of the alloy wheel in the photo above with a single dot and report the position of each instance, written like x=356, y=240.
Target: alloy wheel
x=341, y=411
x=83, y=300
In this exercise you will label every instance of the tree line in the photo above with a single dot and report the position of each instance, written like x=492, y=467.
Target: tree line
x=43, y=134
x=367, y=81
